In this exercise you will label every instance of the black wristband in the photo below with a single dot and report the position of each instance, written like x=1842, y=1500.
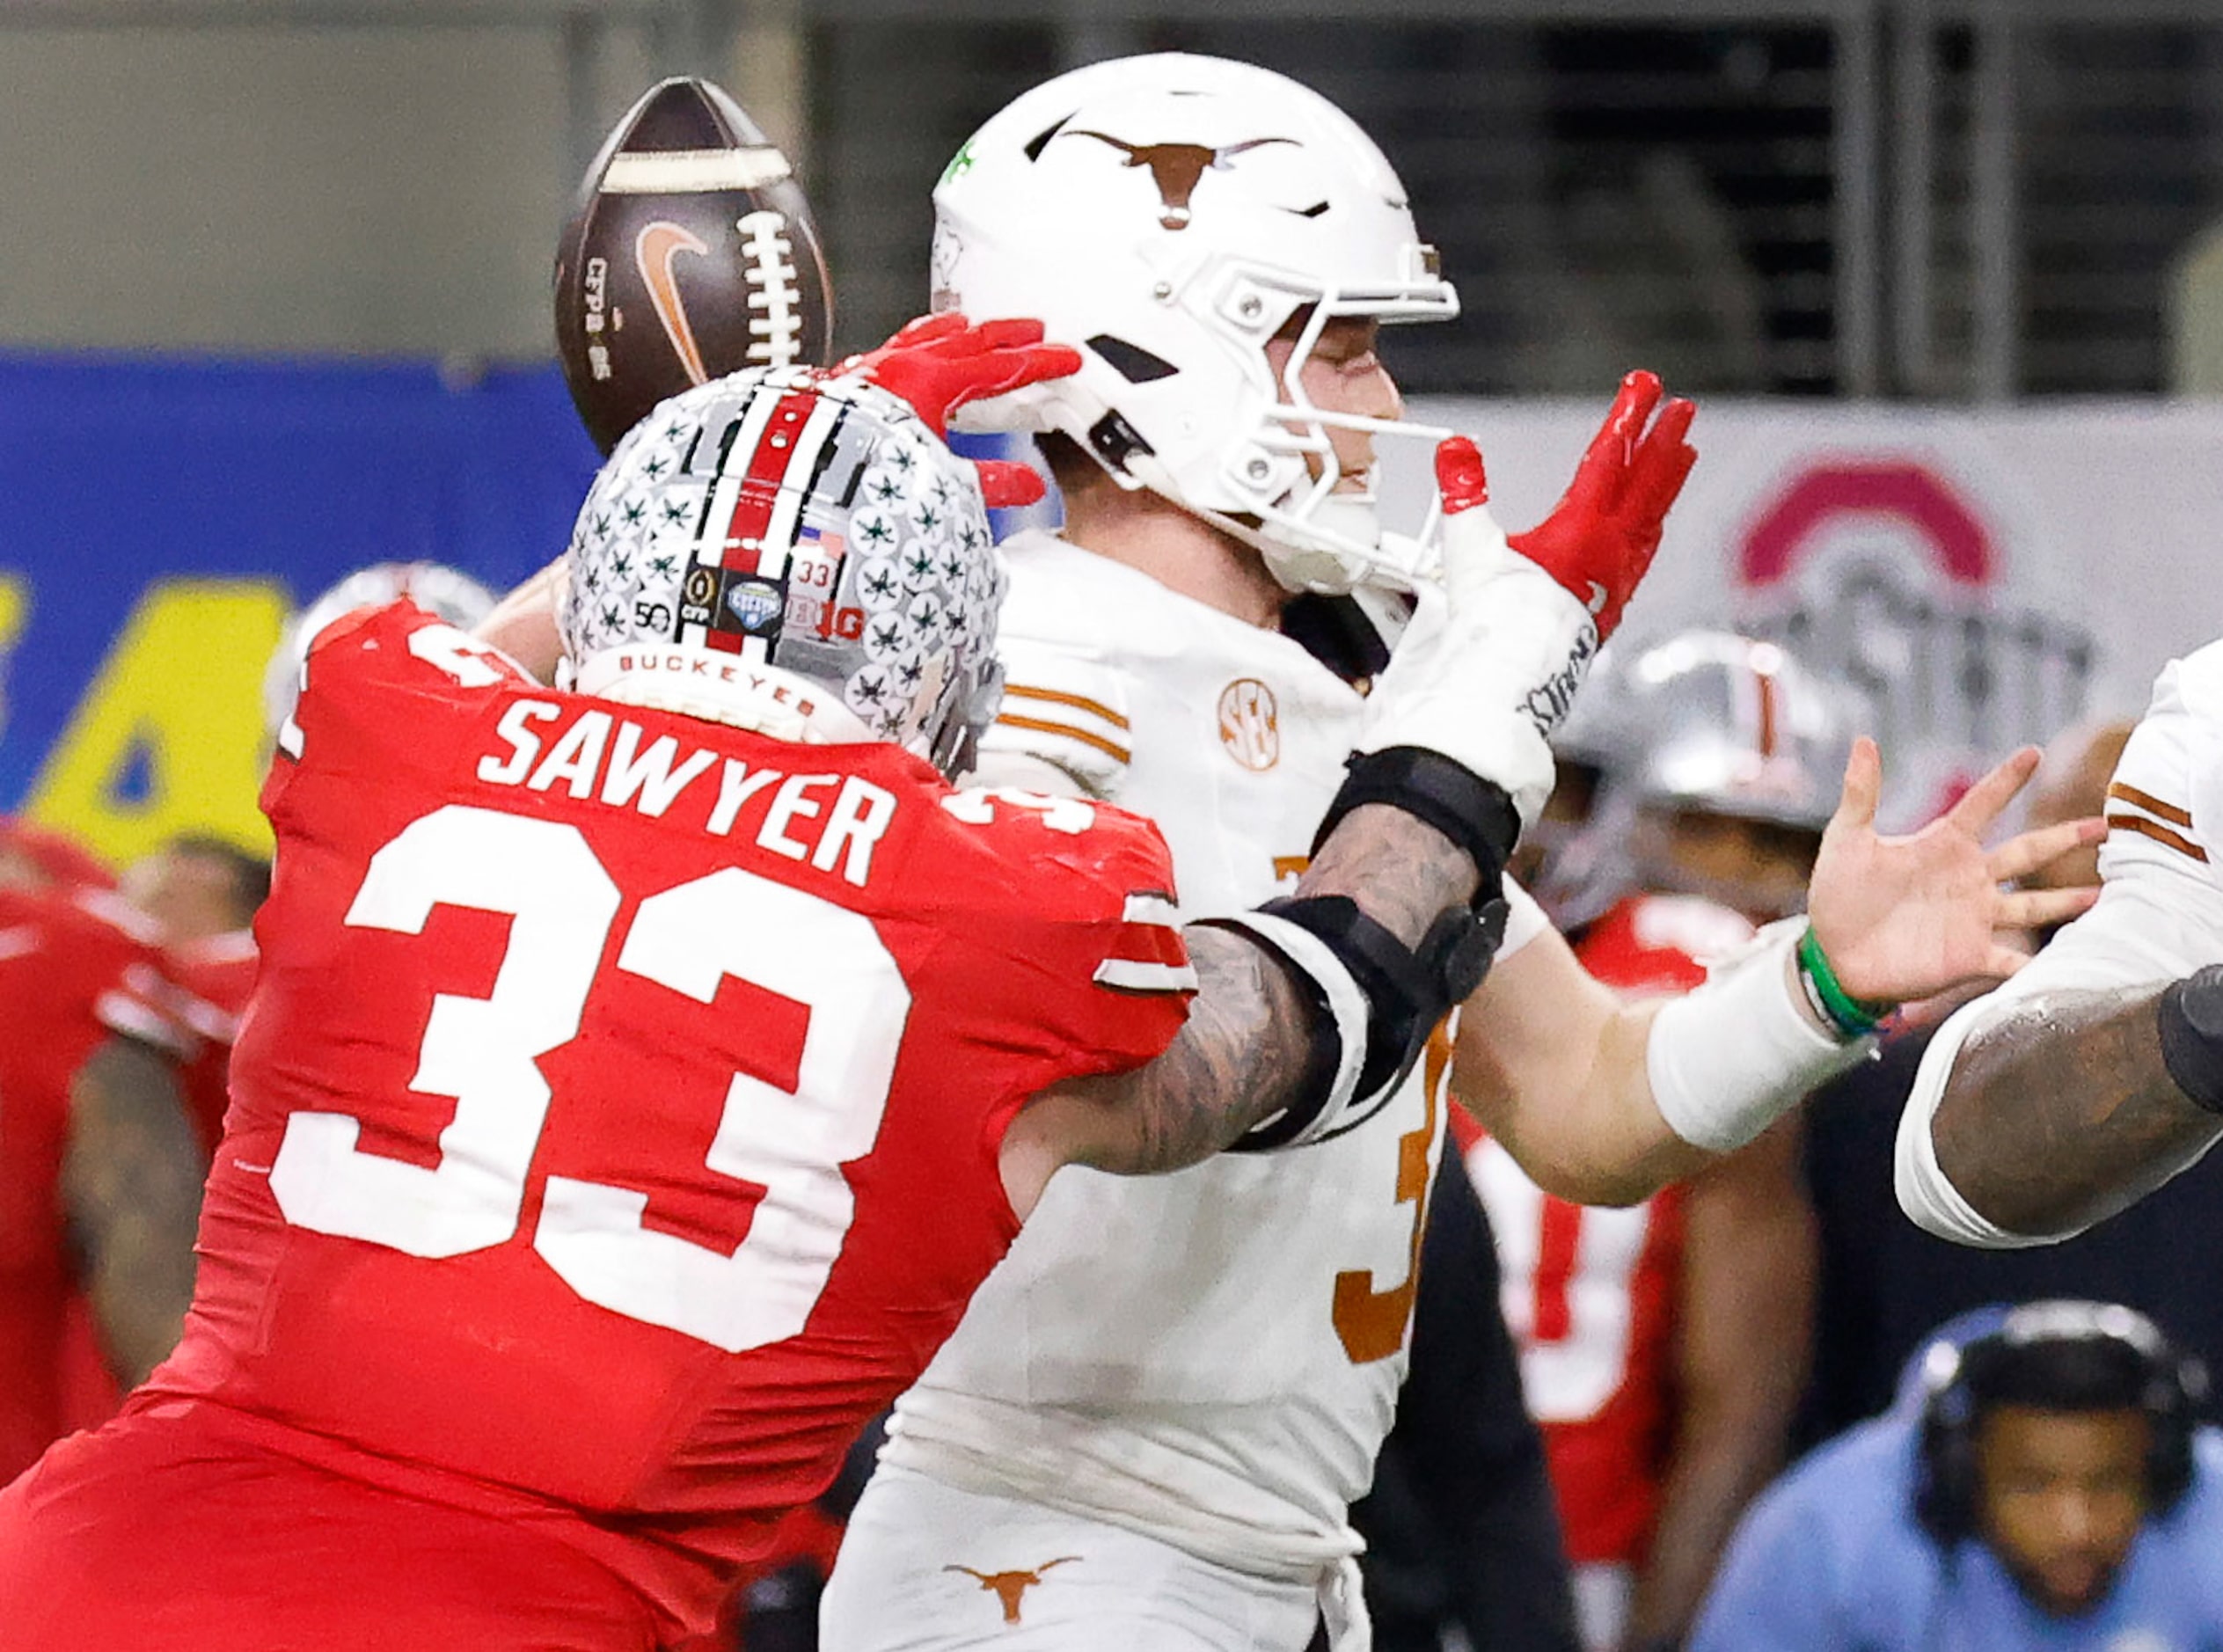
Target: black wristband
x=2191, y=1018
x=1471, y=812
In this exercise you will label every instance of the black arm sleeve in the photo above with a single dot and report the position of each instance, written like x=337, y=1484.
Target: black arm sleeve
x=1460, y=1527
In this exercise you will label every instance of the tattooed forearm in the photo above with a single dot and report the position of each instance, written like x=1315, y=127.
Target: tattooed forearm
x=1246, y=1053
x=1404, y=874
x=2062, y=1113
x=1240, y=1059
x=131, y=1178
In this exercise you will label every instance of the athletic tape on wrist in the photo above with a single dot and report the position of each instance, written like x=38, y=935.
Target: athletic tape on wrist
x=1728, y=1058
x=1437, y=791
x=2189, y=1016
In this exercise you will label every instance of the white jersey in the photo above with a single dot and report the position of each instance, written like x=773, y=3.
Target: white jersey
x=1211, y=1356
x=2160, y=915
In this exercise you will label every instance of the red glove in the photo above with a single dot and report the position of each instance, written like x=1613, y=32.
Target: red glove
x=938, y=364
x=1603, y=534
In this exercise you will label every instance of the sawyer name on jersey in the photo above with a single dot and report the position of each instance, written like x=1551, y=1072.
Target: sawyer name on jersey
x=594, y=754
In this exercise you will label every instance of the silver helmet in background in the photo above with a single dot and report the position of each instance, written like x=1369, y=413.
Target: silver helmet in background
x=1722, y=762
x=450, y=592
x=1577, y=872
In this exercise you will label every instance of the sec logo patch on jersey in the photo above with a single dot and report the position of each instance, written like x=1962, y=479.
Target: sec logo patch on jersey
x=1250, y=724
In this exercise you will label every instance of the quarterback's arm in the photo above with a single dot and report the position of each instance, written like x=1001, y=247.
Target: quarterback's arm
x=1602, y=1102
x=1742, y=1323
x=1552, y=1064
x=131, y=1176
x=523, y=623
x=1247, y=1051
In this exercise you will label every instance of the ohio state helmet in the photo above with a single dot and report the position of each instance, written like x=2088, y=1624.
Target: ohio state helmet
x=793, y=554
x=1168, y=215
x=1722, y=724
x=450, y=592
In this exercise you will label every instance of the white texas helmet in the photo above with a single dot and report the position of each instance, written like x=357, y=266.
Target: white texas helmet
x=1168, y=215
x=794, y=554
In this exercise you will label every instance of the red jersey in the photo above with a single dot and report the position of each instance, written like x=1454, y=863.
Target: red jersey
x=1590, y=1293
x=615, y=1128
x=62, y=953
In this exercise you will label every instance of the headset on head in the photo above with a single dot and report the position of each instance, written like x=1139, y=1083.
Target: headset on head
x=2172, y=1388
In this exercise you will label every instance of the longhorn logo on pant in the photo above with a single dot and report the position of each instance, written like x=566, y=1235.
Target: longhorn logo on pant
x=1177, y=168
x=1009, y=1587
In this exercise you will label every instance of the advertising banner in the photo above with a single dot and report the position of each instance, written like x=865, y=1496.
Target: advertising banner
x=1980, y=578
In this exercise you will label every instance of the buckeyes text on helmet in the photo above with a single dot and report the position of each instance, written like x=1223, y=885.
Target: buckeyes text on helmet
x=792, y=555
x=1169, y=215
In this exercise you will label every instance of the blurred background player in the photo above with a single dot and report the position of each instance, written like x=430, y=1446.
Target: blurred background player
x=100, y=1166
x=1662, y=1343
x=2044, y=1482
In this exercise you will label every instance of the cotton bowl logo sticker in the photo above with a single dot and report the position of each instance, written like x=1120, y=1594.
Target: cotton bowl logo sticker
x=755, y=603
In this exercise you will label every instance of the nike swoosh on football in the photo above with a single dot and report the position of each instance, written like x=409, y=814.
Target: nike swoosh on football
x=653, y=250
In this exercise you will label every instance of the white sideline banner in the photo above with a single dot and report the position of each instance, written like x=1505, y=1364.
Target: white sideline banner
x=1983, y=578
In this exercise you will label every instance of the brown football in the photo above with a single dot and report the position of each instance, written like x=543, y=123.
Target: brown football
x=690, y=254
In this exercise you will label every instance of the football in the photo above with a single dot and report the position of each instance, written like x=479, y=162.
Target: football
x=690, y=254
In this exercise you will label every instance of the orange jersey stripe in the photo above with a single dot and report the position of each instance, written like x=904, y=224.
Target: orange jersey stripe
x=2151, y=804
x=1041, y=726
x=1057, y=696
x=2159, y=834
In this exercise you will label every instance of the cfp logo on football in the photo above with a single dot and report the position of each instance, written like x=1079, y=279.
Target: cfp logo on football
x=1250, y=725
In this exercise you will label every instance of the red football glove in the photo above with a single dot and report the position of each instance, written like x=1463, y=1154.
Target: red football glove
x=938, y=364
x=1603, y=534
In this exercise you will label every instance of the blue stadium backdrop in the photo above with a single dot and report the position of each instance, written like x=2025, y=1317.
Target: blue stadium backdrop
x=159, y=520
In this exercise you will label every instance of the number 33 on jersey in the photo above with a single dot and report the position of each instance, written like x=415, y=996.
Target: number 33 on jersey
x=609, y=1065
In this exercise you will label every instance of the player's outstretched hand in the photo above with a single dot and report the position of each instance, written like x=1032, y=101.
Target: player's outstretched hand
x=1901, y=918
x=939, y=363
x=1603, y=534
x=1521, y=625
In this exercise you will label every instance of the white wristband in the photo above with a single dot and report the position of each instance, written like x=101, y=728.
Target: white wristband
x=1728, y=1058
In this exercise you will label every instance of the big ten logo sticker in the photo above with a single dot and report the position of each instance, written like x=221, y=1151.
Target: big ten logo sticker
x=168, y=737
x=1883, y=577
x=1250, y=724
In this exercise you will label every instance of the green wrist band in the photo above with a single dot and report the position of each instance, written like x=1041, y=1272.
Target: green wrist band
x=1840, y=1009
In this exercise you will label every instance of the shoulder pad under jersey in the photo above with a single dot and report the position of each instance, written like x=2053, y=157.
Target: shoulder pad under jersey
x=1063, y=709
